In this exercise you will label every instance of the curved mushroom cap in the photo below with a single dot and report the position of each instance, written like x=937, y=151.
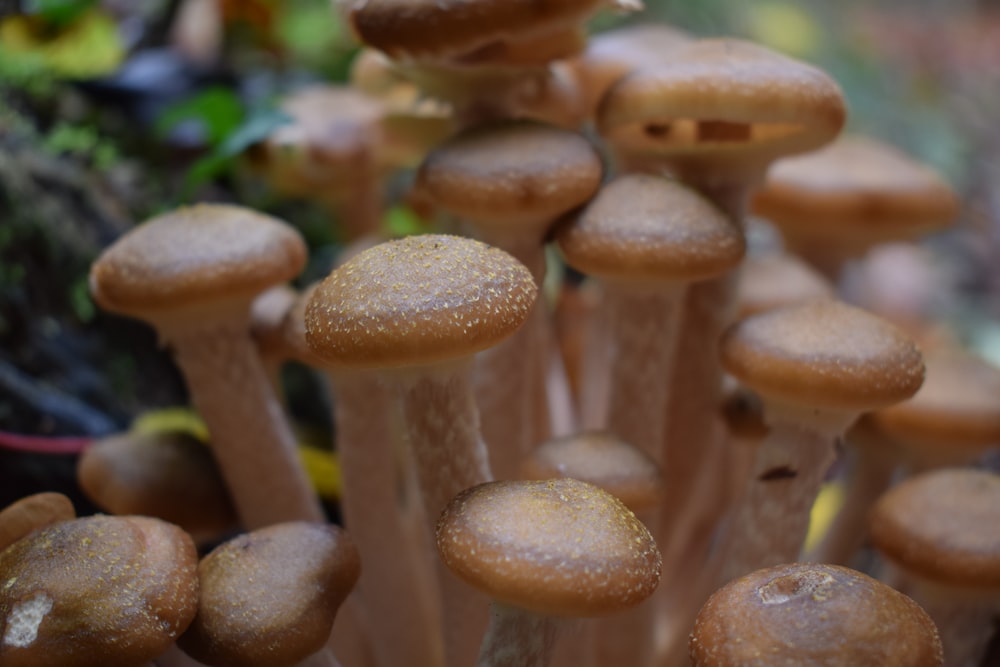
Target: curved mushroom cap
x=650, y=229
x=560, y=547
x=823, y=354
x=516, y=176
x=812, y=614
x=452, y=28
x=602, y=459
x=777, y=279
x=941, y=526
x=31, y=513
x=171, y=476
x=196, y=257
x=96, y=591
x=856, y=191
x=957, y=409
x=723, y=101
x=418, y=300
x=269, y=597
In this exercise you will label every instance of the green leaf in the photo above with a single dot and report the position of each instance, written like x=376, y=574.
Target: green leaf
x=58, y=12
x=217, y=109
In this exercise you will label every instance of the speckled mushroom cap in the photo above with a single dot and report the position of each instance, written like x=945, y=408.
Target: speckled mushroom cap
x=452, y=28
x=823, y=354
x=942, y=527
x=812, y=614
x=603, y=459
x=269, y=597
x=418, y=300
x=96, y=591
x=777, y=279
x=195, y=257
x=559, y=547
x=957, y=408
x=31, y=513
x=650, y=229
x=723, y=100
x=515, y=175
x=856, y=190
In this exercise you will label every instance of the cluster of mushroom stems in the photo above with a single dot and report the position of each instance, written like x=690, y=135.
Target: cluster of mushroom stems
x=506, y=475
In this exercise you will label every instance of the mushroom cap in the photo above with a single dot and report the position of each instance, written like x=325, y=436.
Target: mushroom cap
x=514, y=176
x=720, y=101
x=957, y=408
x=651, y=229
x=196, y=256
x=941, y=526
x=777, y=279
x=823, y=354
x=269, y=597
x=603, y=459
x=418, y=300
x=96, y=591
x=453, y=28
x=856, y=190
x=812, y=614
x=169, y=475
x=559, y=547
x=32, y=513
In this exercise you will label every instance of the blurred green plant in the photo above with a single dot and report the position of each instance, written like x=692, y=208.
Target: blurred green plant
x=71, y=39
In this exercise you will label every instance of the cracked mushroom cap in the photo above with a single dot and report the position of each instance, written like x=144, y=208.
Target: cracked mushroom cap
x=96, y=591
x=645, y=228
x=195, y=258
x=559, y=547
x=941, y=527
x=269, y=597
x=515, y=176
x=812, y=614
x=723, y=101
x=418, y=300
x=823, y=354
x=856, y=191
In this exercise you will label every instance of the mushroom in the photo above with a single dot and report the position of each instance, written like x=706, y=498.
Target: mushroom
x=777, y=279
x=416, y=310
x=812, y=614
x=31, y=513
x=269, y=597
x=96, y=591
x=939, y=529
x=545, y=550
x=193, y=274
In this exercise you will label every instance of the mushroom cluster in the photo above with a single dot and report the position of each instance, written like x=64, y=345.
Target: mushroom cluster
x=489, y=503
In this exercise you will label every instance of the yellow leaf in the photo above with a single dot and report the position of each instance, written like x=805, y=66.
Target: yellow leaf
x=784, y=27
x=89, y=47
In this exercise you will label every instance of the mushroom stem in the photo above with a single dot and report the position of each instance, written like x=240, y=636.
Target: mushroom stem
x=322, y=658
x=965, y=624
x=232, y=394
x=517, y=638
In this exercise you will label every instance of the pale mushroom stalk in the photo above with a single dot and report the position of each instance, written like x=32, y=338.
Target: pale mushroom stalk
x=532, y=634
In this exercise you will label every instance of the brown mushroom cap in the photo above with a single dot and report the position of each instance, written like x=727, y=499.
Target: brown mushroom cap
x=812, y=614
x=511, y=175
x=602, y=459
x=171, y=476
x=32, y=513
x=723, y=97
x=942, y=527
x=647, y=228
x=856, y=190
x=824, y=354
x=776, y=279
x=958, y=406
x=418, y=300
x=560, y=547
x=196, y=256
x=96, y=591
x=269, y=597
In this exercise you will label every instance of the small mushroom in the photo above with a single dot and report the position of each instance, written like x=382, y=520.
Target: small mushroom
x=31, y=513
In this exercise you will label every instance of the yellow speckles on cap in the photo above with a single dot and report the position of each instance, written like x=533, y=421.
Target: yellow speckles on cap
x=418, y=300
x=560, y=547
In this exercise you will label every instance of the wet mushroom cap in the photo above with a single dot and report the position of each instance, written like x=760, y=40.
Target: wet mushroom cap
x=823, y=353
x=511, y=174
x=723, y=97
x=418, y=300
x=560, y=547
x=196, y=256
x=269, y=597
x=812, y=614
x=648, y=228
x=941, y=527
x=96, y=591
